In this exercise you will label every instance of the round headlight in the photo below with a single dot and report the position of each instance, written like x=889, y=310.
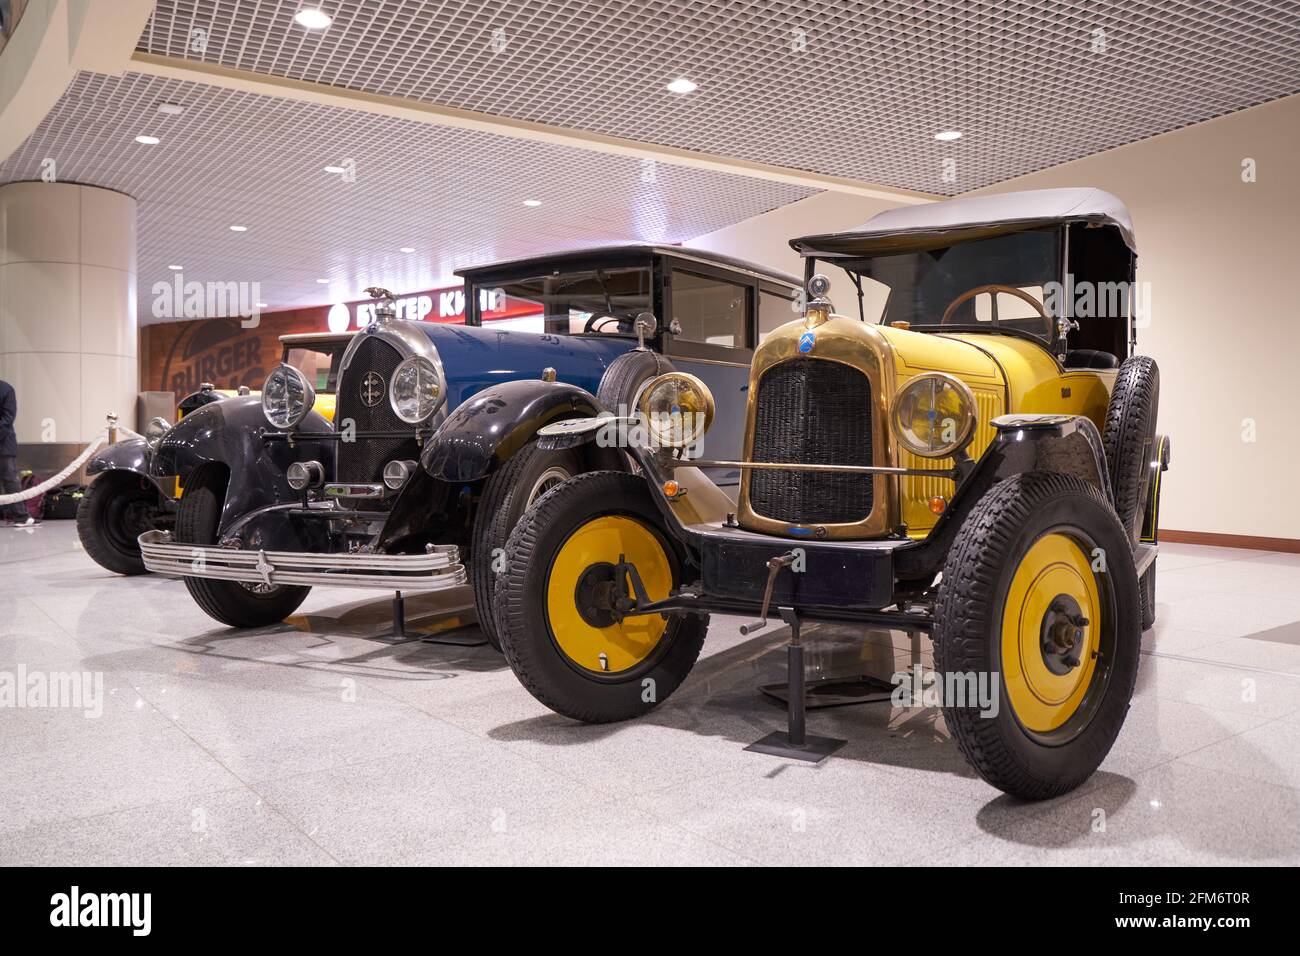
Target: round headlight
x=677, y=409
x=287, y=397
x=416, y=390
x=934, y=415
x=154, y=431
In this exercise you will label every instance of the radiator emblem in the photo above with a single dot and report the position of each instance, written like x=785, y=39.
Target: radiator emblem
x=372, y=389
x=806, y=342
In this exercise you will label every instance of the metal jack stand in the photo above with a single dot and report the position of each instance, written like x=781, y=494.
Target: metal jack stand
x=450, y=638
x=844, y=691
x=794, y=742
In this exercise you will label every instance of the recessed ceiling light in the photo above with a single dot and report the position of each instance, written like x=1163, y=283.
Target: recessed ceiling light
x=681, y=85
x=947, y=136
x=176, y=268
x=323, y=281
x=313, y=18
x=171, y=109
x=261, y=305
x=239, y=229
x=148, y=140
x=335, y=169
x=532, y=202
x=406, y=249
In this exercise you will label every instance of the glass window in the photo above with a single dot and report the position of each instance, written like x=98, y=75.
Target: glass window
x=598, y=301
x=320, y=367
x=711, y=311
x=922, y=285
x=1012, y=311
x=774, y=311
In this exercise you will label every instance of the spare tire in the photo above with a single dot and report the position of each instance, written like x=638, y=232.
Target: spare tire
x=1128, y=438
x=625, y=376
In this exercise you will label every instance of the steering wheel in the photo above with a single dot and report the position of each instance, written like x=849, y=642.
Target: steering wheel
x=600, y=318
x=994, y=289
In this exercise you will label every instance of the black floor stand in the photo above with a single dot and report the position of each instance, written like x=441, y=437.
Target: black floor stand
x=461, y=637
x=794, y=742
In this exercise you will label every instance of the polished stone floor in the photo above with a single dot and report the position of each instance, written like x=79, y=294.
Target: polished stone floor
x=317, y=743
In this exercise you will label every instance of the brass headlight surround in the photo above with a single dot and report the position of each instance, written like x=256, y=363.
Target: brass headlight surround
x=660, y=402
x=965, y=414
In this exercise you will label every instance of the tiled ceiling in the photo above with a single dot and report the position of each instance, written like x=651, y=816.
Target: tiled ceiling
x=830, y=86
x=455, y=196
x=835, y=86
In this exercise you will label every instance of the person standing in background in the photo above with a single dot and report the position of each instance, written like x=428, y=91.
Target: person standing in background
x=9, y=456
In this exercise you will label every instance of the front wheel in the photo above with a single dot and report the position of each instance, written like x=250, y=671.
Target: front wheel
x=230, y=602
x=509, y=492
x=1037, y=633
x=557, y=601
x=116, y=509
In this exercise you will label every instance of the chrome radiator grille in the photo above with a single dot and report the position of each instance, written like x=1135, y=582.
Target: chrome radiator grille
x=363, y=460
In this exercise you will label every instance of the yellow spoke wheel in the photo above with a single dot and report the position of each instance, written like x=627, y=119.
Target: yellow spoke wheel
x=1051, y=633
x=582, y=581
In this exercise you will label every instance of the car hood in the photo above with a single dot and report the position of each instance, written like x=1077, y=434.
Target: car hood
x=477, y=358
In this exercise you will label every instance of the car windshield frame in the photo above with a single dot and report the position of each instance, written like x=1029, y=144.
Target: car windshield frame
x=333, y=350
x=1021, y=259
x=604, y=277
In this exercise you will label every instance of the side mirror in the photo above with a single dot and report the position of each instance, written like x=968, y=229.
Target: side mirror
x=646, y=324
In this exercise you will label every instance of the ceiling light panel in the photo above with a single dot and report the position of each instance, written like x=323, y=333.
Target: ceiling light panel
x=237, y=158
x=1033, y=84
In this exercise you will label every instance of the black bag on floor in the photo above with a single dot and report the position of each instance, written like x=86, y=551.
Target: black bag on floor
x=62, y=501
x=34, y=506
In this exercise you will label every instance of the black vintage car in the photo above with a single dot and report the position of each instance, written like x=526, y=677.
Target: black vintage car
x=124, y=500
x=431, y=456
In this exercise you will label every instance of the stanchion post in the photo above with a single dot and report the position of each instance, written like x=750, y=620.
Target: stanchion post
x=112, y=428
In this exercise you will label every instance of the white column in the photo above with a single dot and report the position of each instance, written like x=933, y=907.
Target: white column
x=67, y=312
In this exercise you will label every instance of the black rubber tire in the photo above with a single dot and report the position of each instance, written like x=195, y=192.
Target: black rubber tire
x=102, y=518
x=1128, y=437
x=503, y=503
x=226, y=601
x=967, y=633
x=1148, y=582
x=625, y=376
x=520, y=602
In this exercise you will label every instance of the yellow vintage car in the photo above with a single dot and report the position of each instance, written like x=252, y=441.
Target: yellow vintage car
x=971, y=457
x=123, y=501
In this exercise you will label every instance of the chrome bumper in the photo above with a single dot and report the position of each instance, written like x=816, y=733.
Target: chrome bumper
x=437, y=570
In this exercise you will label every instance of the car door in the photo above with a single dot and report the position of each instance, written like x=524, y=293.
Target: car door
x=715, y=309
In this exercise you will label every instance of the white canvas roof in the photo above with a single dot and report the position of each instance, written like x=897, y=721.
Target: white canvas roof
x=973, y=216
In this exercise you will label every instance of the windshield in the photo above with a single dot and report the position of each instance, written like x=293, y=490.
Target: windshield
x=319, y=365
x=920, y=288
x=604, y=301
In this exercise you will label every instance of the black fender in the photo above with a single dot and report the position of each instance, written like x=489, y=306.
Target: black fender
x=1151, y=516
x=204, y=396
x=132, y=455
x=488, y=429
x=230, y=432
x=1065, y=444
